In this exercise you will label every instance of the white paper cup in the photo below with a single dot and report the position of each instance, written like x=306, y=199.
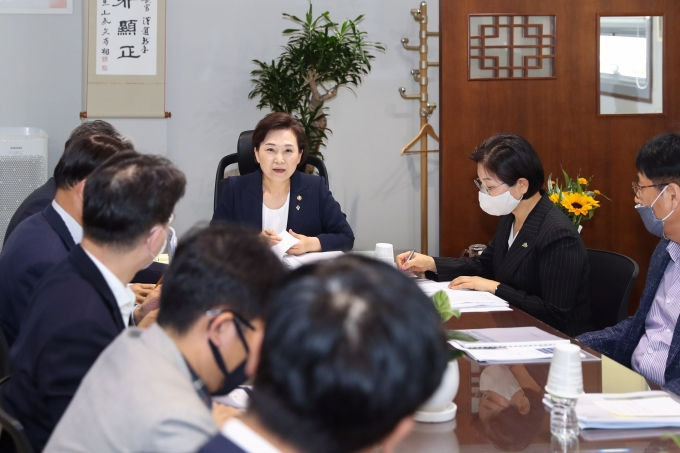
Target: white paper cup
x=385, y=252
x=565, y=378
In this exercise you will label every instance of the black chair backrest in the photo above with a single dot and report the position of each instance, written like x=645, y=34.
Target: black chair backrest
x=4, y=356
x=13, y=437
x=612, y=277
x=245, y=158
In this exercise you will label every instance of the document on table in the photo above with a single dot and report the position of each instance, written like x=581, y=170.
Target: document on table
x=519, y=355
x=508, y=337
x=512, y=345
x=295, y=261
x=655, y=409
x=464, y=300
x=287, y=241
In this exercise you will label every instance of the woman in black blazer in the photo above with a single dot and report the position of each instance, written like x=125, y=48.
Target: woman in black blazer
x=277, y=197
x=536, y=261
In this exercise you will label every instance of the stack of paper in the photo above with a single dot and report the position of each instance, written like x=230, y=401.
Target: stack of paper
x=655, y=409
x=511, y=345
x=295, y=261
x=465, y=300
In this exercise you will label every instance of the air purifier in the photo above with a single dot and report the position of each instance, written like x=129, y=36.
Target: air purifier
x=23, y=168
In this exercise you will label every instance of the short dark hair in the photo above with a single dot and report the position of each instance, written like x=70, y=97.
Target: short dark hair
x=218, y=266
x=281, y=121
x=351, y=347
x=659, y=158
x=510, y=157
x=82, y=157
x=127, y=195
x=96, y=127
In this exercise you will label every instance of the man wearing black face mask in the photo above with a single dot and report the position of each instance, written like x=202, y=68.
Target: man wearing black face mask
x=649, y=341
x=150, y=390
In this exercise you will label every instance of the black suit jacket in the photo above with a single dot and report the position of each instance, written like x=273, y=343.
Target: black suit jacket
x=34, y=203
x=40, y=198
x=40, y=242
x=312, y=210
x=72, y=318
x=544, y=273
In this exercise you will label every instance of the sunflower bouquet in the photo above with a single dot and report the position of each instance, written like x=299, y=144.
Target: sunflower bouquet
x=574, y=198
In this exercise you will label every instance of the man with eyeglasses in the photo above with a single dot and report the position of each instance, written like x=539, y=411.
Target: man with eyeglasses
x=150, y=390
x=83, y=303
x=649, y=341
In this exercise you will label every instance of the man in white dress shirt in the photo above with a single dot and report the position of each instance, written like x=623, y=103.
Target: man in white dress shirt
x=45, y=238
x=83, y=303
x=352, y=348
x=150, y=391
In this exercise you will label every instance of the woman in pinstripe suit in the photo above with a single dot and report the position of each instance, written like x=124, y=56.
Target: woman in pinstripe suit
x=536, y=261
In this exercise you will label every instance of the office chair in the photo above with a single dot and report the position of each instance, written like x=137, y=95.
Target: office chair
x=13, y=438
x=612, y=277
x=245, y=159
x=4, y=356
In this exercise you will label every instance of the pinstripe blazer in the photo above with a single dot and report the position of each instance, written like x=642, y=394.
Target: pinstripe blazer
x=619, y=342
x=544, y=273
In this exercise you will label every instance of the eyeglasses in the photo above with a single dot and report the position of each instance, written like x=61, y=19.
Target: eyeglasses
x=238, y=319
x=637, y=188
x=482, y=188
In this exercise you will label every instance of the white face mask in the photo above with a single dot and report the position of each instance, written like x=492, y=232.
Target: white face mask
x=160, y=252
x=502, y=204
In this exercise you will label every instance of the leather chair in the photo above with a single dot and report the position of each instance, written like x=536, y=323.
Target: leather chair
x=13, y=438
x=612, y=277
x=245, y=158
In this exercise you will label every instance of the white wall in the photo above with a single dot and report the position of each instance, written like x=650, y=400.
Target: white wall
x=210, y=45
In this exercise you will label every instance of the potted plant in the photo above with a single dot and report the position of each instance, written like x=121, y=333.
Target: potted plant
x=440, y=407
x=321, y=57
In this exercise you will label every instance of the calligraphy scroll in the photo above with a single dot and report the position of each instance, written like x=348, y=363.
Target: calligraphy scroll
x=125, y=59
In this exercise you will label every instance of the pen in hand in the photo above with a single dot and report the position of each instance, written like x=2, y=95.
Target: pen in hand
x=410, y=255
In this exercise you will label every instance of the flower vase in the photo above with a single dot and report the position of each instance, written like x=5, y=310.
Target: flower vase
x=440, y=406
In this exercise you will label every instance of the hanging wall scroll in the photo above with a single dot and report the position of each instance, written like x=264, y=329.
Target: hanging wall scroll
x=125, y=59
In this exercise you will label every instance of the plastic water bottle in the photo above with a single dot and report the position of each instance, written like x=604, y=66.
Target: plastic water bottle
x=563, y=421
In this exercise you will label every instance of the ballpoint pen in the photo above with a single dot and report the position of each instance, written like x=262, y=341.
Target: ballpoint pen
x=410, y=255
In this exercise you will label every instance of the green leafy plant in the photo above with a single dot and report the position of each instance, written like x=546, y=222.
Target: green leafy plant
x=443, y=305
x=321, y=57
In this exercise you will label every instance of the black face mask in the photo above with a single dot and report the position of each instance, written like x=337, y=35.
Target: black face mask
x=238, y=376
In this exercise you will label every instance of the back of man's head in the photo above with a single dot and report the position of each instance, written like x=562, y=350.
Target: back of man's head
x=659, y=158
x=96, y=127
x=220, y=266
x=82, y=157
x=351, y=348
x=127, y=196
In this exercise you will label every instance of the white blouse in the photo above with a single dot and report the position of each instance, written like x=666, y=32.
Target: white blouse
x=275, y=219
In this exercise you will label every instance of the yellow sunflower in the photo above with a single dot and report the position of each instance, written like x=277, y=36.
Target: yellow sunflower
x=577, y=203
x=554, y=198
x=582, y=181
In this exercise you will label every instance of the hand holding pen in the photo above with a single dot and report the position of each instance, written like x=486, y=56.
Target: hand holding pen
x=415, y=262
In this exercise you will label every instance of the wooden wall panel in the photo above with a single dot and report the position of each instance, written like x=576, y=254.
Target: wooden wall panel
x=558, y=117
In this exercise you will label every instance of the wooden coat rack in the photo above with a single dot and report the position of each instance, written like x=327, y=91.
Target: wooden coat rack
x=426, y=109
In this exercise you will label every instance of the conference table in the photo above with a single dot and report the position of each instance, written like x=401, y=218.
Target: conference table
x=466, y=433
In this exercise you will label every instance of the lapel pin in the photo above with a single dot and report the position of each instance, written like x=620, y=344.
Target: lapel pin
x=297, y=207
x=299, y=197
x=525, y=245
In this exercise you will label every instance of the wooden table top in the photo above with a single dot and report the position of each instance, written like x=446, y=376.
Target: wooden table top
x=531, y=432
